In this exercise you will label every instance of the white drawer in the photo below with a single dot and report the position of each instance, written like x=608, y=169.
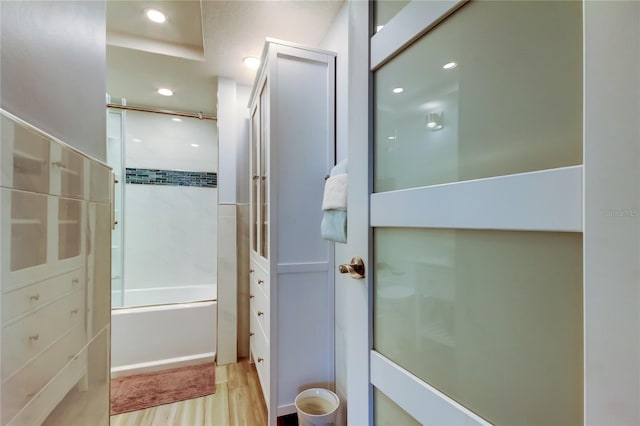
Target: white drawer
x=260, y=351
x=20, y=388
x=260, y=277
x=26, y=337
x=39, y=408
x=260, y=305
x=33, y=297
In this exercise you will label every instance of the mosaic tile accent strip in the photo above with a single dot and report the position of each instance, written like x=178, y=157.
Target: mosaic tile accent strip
x=171, y=177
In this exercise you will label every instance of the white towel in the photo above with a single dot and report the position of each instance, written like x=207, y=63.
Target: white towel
x=335, y=193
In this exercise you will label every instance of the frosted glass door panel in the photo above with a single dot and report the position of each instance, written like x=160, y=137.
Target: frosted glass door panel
x=388, y=413
x=385, y=10
x=503, y=84
x=28, y=229
x=493, y=319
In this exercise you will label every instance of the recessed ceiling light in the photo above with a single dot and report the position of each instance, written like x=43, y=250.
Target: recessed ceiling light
x=137, y=140
x=391, y=138
x=165, y=92
x=195, y=145
x=251, y=62
x=398, y=90
x=450, y=65
x=155, y=15
x=176, y=119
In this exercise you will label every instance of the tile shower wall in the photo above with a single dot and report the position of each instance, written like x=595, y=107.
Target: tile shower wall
x=171, y=197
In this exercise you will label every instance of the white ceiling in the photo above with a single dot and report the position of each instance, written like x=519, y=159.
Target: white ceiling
x=201, y=41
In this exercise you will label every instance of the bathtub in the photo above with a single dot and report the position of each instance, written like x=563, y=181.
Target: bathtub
x=163, y=295
x=152, y=338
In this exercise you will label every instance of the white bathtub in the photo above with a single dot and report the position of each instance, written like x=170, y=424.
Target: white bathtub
x=153, y=338
x=164, y=295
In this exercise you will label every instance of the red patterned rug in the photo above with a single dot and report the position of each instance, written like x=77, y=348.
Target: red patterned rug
x=142, y=391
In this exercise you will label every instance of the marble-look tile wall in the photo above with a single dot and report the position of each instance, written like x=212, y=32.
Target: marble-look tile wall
x=243, y=280
x=170, y=236
x=227, y=288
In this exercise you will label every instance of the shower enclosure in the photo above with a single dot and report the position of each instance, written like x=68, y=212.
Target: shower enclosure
x=164, y=244
x=164, y=249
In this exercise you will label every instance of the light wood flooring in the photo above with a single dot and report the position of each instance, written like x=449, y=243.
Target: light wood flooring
x=238, y=401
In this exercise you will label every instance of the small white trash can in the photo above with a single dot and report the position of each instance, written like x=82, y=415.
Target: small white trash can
x=317, y=407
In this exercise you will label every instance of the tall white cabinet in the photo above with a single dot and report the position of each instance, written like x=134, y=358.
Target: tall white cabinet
x=292, y=116
x=55, y=227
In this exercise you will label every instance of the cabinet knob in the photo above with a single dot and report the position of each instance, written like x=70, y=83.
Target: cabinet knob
x=263, y=177
x=260, y=282
x=251, y=296
x=34, y=337
x=75, y=281
x=30, y=395
x=74, y=312
x=260, y=313
x=260, y=359
x=256, y=177
x=35, y=297
x=252, y=334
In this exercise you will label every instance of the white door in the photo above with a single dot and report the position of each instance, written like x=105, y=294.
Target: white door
x=475, y=263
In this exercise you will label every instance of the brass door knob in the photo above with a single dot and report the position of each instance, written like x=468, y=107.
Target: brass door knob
x=355, y=268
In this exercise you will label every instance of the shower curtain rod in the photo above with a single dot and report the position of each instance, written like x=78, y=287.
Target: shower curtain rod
x=199, y=115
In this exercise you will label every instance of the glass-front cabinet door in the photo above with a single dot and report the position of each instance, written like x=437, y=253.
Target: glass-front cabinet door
x=259, y=175
x=476, y=213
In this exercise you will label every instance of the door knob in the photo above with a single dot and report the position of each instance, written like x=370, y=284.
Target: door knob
x=355, y=268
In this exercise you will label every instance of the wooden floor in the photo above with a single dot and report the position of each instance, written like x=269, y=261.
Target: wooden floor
x=238, y=401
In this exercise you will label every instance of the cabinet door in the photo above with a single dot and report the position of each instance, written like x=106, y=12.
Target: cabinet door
x=255, y=132
x=25, y=158
x=25, y=237
x=67, y=170
x=260, y=174
x=264, y=171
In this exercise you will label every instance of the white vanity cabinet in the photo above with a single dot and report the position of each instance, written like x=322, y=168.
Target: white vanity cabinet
x=292, y=136
x=47, y=284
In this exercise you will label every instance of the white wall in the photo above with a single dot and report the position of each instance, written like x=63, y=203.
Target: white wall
x=52, y=70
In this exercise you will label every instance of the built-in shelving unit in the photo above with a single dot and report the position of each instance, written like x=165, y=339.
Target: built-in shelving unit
x=291, y=267
x=52, y=311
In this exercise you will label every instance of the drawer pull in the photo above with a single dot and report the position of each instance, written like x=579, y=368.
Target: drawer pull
x=75, y=281
x=260, y=313
x=35, y=297
x=251, y=296
x=74, y=312
x=34, y=337
x=251, y=271
x=260, y=359
x=260, y=282
x=252, y=334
